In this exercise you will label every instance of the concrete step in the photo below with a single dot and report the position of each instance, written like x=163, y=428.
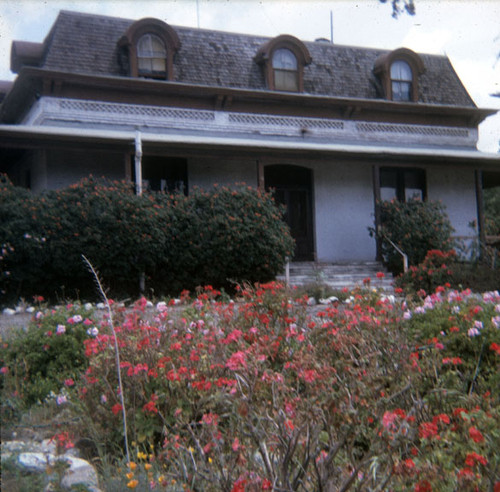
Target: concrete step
x=339, y=275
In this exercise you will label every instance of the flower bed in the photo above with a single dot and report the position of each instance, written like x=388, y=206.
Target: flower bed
x=368, y=394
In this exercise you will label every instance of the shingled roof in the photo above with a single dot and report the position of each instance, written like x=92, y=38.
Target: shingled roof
x=88, y=44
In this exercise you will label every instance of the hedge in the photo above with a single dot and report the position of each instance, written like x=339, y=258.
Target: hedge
x=215, y=237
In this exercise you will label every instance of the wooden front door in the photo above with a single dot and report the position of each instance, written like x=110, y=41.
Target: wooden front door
x=292, y=187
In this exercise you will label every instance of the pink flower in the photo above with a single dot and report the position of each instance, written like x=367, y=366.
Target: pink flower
x=237, y=361
x=69, y=382
x=60, y=329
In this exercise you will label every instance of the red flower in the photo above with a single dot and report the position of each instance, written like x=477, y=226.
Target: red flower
x=473, y=458
x=428, y=430
x=380, y=275
x=423, y=486
x=117, y=408
x=495, y=347
x=475, y=435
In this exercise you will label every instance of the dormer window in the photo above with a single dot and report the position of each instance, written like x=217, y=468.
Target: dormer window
x=401, y=80
x=147, y=50
x=283, y=60
x=286, y=72
x=151, y=57
x=398, y=73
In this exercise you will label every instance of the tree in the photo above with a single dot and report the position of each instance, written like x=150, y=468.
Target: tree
x=401, y=6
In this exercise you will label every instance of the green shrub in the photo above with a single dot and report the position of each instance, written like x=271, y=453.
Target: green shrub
x=416, y=227
x=492, y=211
x=178, y=242
x=44, y=359
x=444, y=269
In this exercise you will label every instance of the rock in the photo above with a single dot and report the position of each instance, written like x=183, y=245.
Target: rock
x=36, y=457
x=311, y=301
x=9, y=311
x=79, y=472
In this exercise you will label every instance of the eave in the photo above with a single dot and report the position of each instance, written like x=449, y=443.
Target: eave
x=35, y=82
x=19, y=136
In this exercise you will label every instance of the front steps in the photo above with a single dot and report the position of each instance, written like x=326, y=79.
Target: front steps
x=339, y=275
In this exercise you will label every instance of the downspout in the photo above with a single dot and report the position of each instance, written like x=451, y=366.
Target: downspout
x=138, y=163
x=138, y=191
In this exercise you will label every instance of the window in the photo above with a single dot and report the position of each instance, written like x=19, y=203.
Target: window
x=398, y=73
x=401, y=79
x=286, y=73
x=151, y=56
x=402, y=184
x=147, y=49
x=283, y=60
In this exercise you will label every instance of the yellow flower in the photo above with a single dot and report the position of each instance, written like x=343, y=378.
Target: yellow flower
x=161, y=479
x=132, y=465
x=210, y=460
x=130, y=475
x=133, y=484
x=141, y=455
x=148, y=466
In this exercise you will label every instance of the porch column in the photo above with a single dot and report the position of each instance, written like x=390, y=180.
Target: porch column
x=480, y=209
x=260, y=175
x=376, y=199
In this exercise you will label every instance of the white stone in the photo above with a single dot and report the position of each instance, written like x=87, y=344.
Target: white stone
x=9, y=311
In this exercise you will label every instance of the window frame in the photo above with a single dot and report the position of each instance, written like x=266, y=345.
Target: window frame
x=383, y=66
x=265, y=58
x=128, y=45
x=401, y=174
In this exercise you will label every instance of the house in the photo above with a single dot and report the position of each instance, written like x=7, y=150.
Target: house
x=331, y=128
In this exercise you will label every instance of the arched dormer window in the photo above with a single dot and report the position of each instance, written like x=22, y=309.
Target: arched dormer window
x=401, y=81
x=398, y=72
x=151, y=56
x=283, y=60
x=147, y=49
x=286, y=70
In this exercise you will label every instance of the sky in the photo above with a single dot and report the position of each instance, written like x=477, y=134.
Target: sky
x=467, y=31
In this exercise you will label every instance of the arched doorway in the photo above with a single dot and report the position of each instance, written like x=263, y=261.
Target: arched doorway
x=292, y=187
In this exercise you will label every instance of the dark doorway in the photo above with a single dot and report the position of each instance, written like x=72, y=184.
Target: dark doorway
x=160, y=173
x=292, y=187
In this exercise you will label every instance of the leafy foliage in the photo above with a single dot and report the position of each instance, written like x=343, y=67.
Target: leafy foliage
x=178, y=242
x=416, y=227
x=492, y=211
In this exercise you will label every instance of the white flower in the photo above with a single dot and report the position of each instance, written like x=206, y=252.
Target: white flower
x=60, y=329
x=407, y=315
x=496, y=321
x=93, y=332
x=61, y=399
x=161, y=306
x=473, y=332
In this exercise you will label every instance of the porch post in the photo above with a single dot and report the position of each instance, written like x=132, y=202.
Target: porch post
x=480, y=210
x=376, y=199
x=260, y=175
x=138, y=163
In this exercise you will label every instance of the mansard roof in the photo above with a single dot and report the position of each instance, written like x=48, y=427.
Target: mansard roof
x=89, y=44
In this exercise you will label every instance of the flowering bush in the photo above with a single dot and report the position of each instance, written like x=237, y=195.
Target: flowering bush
x=49, y=357
x=262, y=394
x=178, y=242
x=416, y=227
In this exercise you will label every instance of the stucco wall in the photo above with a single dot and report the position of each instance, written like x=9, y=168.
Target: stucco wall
x=70, y=166
x=455, y=188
